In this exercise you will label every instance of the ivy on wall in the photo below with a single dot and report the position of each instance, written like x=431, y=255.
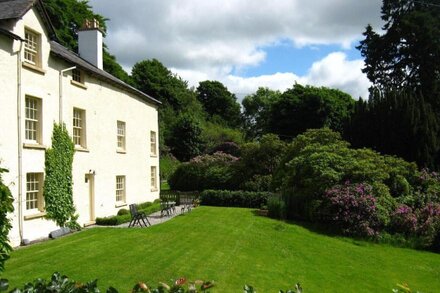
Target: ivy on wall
x=5, y=223
x=58, y=183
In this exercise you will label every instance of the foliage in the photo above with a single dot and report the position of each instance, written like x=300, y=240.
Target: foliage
x=256, y=110
x=168, y=164
x=406, y=53
x=258, y=162
x=154, y=79
x=227, y=147
x=306, y=107
x=227, y=198
x=6, y=207
x=398, y=123
x=58, y=183
x=218, y=102
x=276, y=207
x=125, y=217
x=320, y=159
x=214, y=171
x=216, y=134
x=123, y=212
x=353, y=208
x=185, y=139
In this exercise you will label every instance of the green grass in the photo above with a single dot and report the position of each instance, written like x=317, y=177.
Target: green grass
x=231, y=246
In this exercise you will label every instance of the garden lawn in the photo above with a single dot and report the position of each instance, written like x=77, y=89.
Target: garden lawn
x=232, y=246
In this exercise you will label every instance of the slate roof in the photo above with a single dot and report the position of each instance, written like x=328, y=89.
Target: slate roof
x=10, y=9
x=71, y=57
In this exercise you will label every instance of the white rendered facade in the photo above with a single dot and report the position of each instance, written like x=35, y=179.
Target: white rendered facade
x=92, y=110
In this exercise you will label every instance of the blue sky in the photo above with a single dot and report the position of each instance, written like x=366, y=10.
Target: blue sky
x=285, y=57
x=245, y=44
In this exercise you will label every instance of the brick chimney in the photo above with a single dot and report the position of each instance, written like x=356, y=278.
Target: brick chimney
x=90, y=42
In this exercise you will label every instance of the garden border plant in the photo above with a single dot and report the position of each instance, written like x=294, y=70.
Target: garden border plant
x=58, y=194
x=6, y=207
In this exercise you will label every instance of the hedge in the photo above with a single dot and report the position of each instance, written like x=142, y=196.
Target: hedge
x=227, y=198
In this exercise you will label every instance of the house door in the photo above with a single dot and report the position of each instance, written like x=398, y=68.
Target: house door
x=90, y=178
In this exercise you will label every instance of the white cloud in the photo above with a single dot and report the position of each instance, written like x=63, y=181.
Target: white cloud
x=333, y=71
x=213, y=39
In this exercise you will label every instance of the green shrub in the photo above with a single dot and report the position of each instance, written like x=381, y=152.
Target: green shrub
x=168, y=164
x=257, y=183
x=214, y=171
x=6, y=207
x=227, y=198
x=123, y=212
x=319, y=159
x=276, y=207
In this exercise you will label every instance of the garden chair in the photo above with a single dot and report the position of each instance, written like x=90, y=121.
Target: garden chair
x=138, y=217
x=186, y=203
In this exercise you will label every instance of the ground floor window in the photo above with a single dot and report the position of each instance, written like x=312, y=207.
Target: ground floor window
x=153, y=177
x=34, y=191
x=120, y=188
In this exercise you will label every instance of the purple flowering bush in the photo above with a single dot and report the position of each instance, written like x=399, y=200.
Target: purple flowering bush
x=353, y=208
x=404, y=220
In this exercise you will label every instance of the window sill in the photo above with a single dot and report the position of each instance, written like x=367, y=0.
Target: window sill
x=121, y=204
x=154, y=189
x=34, y=146
x=121, y=151
x=78, y=84
x=153, y=156
x=34, y=68
x=81, y=149
x=35, y=216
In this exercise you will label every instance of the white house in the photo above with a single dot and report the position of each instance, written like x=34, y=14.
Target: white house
x=114, y=126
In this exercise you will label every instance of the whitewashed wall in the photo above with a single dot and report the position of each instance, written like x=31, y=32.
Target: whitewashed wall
x=104, y=105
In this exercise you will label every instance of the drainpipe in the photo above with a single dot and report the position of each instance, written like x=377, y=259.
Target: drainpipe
x=20, y=144
x=61, y=92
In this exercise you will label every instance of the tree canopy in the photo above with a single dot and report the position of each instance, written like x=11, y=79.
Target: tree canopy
x=407, y=54
x=219, y=102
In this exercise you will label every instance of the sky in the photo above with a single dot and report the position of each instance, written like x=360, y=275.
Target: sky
x=245, y=44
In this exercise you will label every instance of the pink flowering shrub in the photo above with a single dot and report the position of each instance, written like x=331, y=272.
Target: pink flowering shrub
x=423, y=223
x=353, y=208
x=404, y=220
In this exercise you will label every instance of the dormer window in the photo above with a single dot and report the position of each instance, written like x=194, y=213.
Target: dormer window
x=32, y=46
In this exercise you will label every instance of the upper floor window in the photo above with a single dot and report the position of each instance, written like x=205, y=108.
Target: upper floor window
x=153, y=143
x=34, y=191
x=121, y=135
x=33, y=119
x=79, y=129
x=77, y=75
x=32, y=47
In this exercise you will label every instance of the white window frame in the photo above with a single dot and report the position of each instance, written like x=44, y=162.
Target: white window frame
x=121, y=133
x=120, y=189
x=33, y=119
x=153, y=143
x=32, y=47
x=153, y=178
x=34, y=192
x=79, y=127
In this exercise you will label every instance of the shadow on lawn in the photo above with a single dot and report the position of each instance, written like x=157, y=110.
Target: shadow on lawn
x=318, y=228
